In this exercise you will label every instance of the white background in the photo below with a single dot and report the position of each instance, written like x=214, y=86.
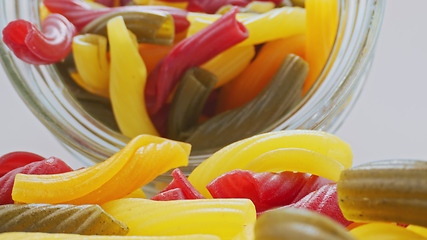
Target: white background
x=388, y=121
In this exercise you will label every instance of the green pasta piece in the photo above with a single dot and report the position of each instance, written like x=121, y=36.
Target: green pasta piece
x=272, y=104
x=188, y=101
x=61, y=218
x=293, y=223
x=387, y=191
x=298, y=3
x=148, y=26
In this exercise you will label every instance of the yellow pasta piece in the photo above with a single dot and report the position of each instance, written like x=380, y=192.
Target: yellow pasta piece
x=322, y=25
x=128, y=76
x=139, y=162
x=237, y=155
x=298, y=160
x=60, y=236
x=90, y=58
x=384, y=231
x=182, y=5
x=278, y=23
x=230, y=63
x=225, y=218
x=260, y=7
x=198, y=21
x=418, y=230
x=137, y=194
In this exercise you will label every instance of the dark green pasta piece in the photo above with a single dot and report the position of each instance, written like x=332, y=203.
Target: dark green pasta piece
x=189, y=100
x=148, y=26
x=271, y=105
x=61, y=218
x=292, y=223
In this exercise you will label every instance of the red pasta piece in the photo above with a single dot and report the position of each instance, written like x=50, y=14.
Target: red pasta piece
x=48, y=166
x=111, y=3
x=312, y=184
x=324, y=201
x=191, y=52
x=181, y=182
x=12, y=160
x=209, y=6
x=80, y=13
x=50, y=45
x=169, y=195
x=266, y=190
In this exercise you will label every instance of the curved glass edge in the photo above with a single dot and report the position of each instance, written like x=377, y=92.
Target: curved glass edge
x=98, y=147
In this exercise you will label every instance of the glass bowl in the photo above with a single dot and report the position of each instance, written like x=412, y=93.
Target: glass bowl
x=46, y=89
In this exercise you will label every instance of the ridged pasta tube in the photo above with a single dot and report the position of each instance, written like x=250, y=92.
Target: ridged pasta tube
x=128, y=76
x=138, y=163
x=292, y=223
x=387, y=191
x=224, y=218
x=59, y=218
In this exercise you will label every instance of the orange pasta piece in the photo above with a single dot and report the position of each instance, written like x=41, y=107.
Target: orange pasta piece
x=152, y=54
x=322, y=24
x=257, y=75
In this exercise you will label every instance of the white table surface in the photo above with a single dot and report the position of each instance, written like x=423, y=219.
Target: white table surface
x=388, y=121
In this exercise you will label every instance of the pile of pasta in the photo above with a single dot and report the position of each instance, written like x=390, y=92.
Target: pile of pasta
x=282, y=185
x=191, y=71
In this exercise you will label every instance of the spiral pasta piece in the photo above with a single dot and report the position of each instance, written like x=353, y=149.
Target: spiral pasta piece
x=221, y=217
x=238, y=154
x=60, y=218
x=388, y=191
x=291, y=223
x=139, y=162
x=299, y=160
x=384, y=231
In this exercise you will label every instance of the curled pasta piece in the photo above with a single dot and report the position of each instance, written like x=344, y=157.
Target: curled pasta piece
x=240, y=153
x=127, y=81
x=224, y=218
x=139, y=162
x=299, y=160
x=90, y=58
x=49, y=45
